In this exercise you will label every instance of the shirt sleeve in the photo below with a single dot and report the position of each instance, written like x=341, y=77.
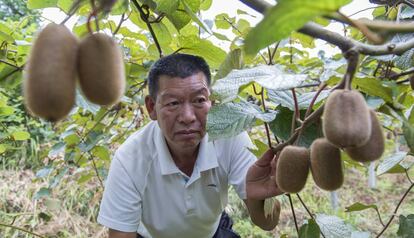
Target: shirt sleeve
x=121, y=206
x=241, y=160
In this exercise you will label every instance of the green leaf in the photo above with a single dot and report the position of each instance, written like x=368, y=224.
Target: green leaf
x=20, y=135
x=282, y=124
x=286, y=17
x=391, y=162
x=229, y=119
x=285, y=98
x=56, y=149
x=6, y=111
x=234, y=60
x=373, y=87
x=180, y=17
x=309, y=230
x=359, y=207
x=72, y=139
x=167, y=6
x=269, y=77
x=205, y=4
x=406, y=228
x=408, y=131
x=222, y=21
x=333, y=226
x=85, y=178
x=45, y=217
x=204, y=48
x=162, y=33
x=65, y=5
x=43, y=192
x=196, y=18
x=35, y=4
x=101, y=152
x=3, y=148
x=85, y=104
x=260, y=148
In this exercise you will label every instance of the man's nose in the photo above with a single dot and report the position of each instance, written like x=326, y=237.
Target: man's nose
x=187, y=114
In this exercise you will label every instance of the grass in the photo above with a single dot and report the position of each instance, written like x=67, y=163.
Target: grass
x=71, y=209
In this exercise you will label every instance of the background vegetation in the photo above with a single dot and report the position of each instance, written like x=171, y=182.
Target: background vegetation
x=52, y=175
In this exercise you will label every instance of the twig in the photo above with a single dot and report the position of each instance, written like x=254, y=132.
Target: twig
x=407, y=72
x=368, y=8
x=379, y=217
x=123, y=19
x=321, y=88
x=307, y=210
x=144, y=17
x=395, y=211
x=12, y=65
x=72, y=11
x=22, y=229
x=408, y=176
x=96, y=171
x=293, y=213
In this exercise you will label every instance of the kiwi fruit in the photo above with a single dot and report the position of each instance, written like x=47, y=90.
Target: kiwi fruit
x=373, y=149
x=346, y=119
x=101, y=69
x=50, y=77
x=326, y=165
x=292, y=169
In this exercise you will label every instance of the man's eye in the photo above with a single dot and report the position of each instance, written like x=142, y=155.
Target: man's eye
x=200, y=100
x=171, y=104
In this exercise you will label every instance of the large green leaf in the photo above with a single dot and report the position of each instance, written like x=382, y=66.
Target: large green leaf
x=374, y=87
x=229, y=119
x=333, y=227
x=195, y=17
x=285, y=98
x=167, y=6
x=204, y=48
x=406, y=229
x=281, y=127
x=408, y=130
x=180, y=17
x=20, y=135
x=390, y=163
x=359, y=207
x=310, y=230
x=35, y=4
x=270, y=77
x=286, y=17
x=234, y=60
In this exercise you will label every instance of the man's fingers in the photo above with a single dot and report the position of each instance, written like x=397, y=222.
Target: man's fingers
x=266, y=158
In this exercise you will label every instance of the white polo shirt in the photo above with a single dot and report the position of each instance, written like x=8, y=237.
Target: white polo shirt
x=145, y=186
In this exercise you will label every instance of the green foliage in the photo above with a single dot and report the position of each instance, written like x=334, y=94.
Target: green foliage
x=309, y=230
x=406, y=229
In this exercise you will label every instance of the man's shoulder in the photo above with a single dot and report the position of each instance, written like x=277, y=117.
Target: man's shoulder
x=138, y=144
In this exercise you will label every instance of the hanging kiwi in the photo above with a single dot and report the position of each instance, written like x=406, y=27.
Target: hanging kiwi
x=346, y=119
x=50, y=78
x=326, y=165
x=101, y=69
x=292, y=169
x=374, y=148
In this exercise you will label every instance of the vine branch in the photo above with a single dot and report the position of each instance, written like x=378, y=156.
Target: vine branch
x=22, y=229
x=145, y=18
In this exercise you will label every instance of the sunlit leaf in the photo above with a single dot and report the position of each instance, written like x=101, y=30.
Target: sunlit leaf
x=359, y=207
x=20, y=135
x=285, y=17
x=390, y=162
x=230, y=119
x=270, y=77
x=35, y=4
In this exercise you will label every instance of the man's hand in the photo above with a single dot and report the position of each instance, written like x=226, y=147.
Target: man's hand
x=260, y=178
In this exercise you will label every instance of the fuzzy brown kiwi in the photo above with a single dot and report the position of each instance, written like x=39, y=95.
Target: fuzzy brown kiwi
x=101, y=69
x=326, y=165
x=292, y=168
x=374, y=148
x=50, y=78
x=346, y=119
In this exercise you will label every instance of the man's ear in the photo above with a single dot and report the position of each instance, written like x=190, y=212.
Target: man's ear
x=150, y=105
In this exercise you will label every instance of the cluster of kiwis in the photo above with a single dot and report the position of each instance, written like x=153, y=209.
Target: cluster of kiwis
x=348, y=124
x=58, y=58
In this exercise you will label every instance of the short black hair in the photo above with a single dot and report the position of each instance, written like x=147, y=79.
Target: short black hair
x=176, y=65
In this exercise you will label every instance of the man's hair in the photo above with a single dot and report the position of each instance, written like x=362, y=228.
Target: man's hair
x=176, y=65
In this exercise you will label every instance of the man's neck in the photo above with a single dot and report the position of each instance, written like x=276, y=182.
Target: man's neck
x=184, y=159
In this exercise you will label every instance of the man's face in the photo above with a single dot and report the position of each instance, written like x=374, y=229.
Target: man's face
x=181, y=110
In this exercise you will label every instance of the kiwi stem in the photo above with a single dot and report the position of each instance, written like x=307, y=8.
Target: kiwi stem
x=321, y=88
x=307, y=209
x=395, y=211
x=71, y=11
x=144, y=17
x=352, y=57
x=96, y=170
x=293, y=213
x=21, y=229
x=408, y=176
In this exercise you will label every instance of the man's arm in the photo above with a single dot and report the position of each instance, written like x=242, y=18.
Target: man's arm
x=261, y=184
x=120, y=234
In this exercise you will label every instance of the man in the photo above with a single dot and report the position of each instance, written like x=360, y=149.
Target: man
x=169, y=177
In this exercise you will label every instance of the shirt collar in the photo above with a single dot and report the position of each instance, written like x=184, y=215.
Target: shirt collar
x=206, y=158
